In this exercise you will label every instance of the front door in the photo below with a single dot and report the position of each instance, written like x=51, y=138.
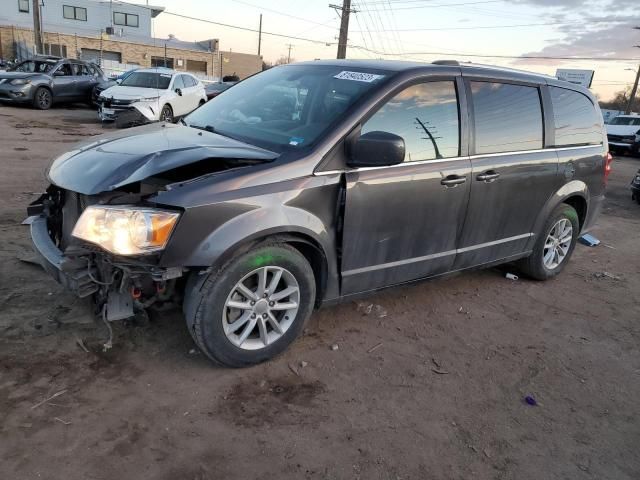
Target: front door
x=64, y=83
x=402, y=222
x=512, y=175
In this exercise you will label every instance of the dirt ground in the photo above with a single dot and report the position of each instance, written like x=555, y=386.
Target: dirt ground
x=427, y=383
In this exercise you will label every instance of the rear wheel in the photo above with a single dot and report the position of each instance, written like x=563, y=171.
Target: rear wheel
x=42, y=99
x=166, y=114
x=555, y=244
x=252, y=309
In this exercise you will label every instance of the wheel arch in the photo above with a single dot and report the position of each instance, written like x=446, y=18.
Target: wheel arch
x=574, y=193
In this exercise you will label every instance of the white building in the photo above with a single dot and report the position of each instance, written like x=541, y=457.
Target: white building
x=83, y=17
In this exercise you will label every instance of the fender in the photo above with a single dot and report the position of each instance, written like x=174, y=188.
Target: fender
x=570, y=189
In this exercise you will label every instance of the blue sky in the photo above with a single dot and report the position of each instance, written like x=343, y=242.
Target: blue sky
x=427, y=29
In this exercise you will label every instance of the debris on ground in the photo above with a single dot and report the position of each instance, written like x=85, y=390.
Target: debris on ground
x=369, y=308
x=294, y=369
x=439, y=371
x=61, y=421
x=529, y=400
x=374, y=348
x=589, y=240
x=511, y=276
x=303, y=364
x=606, y=275
x=61, y=392
x=334, y=347
x=81, y=344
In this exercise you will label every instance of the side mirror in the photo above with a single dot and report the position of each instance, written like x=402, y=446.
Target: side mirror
x=377, y=149
x=178, y=91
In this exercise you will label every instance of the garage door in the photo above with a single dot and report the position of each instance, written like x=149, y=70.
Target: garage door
x=90, y=55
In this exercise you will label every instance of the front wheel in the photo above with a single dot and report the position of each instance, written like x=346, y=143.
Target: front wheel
x=254, y=307
x=166, y=114
x=42, y=99
x=554, y=245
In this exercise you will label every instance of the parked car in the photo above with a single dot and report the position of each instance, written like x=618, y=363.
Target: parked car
x=623, y=134
x=215, y=89
x=152, y=94
x=314, y=183
x=44, y=80
x=109, y=82
x=635, y=187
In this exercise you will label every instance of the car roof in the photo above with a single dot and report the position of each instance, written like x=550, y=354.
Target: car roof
x=448, y=66
x=156, y=70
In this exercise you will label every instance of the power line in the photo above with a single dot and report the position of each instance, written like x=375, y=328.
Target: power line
x=472, y=28
x=389, y=54
x=277, y=12
x=441, y=5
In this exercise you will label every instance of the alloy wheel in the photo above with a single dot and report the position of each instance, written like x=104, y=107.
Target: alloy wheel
x=261, y=307
x=44, y=99
x=557, y=244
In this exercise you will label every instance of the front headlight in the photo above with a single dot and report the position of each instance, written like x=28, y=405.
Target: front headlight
x=19, y=81
x=126, y=230
x=149, y=99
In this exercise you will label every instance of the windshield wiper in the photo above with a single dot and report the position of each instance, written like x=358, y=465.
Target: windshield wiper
x=206, y=128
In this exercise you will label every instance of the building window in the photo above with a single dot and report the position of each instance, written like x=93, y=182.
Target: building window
x=23, y=6
x=55, y=49
x=162, y=62
x=126, y=19
x=74, y=13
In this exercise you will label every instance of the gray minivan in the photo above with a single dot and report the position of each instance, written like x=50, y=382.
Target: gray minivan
x=316, y=182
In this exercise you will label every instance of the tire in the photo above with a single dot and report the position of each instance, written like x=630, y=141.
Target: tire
x=166, y=114
x=537, y=265
x=211, y=319
x=42, y=99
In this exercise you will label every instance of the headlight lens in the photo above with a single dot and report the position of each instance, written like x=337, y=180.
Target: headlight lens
x=126, y=230
x=149, y=99
x=19, y=81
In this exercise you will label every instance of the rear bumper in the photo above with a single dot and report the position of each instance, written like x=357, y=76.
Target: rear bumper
x=620, y=145
x=73, y=273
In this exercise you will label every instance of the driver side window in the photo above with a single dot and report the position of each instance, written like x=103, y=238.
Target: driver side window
x=65, y=69
x=425, y=115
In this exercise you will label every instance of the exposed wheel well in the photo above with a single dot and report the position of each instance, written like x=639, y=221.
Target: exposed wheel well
x=580, y=206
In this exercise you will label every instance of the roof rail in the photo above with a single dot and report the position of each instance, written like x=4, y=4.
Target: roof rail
x=446, y=62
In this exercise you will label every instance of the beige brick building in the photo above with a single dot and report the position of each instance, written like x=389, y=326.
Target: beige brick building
x=199, y=57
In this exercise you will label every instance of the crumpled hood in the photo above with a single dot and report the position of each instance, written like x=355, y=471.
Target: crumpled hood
x=622, y=129
x=114, y=160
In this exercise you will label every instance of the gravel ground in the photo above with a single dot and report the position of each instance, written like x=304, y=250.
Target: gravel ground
x=427, y=382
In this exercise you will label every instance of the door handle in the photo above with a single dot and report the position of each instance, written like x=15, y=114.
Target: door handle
x=488, y=176
x=453, y=180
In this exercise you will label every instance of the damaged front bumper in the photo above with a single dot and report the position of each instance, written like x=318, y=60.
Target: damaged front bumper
x=73, y=273
x=127, y=111
x=118, y=286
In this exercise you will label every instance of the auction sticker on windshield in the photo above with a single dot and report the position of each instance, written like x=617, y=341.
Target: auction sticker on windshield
x=358, y=76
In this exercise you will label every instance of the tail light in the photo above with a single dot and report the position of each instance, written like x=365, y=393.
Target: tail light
x=607, y=165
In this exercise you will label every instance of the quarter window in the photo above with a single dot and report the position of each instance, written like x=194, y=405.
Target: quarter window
x=74, y=13
x=575, y=118
x=177, y=82
x=426, y=117
x=23, y=6
x=126, y=19
x=507, y=117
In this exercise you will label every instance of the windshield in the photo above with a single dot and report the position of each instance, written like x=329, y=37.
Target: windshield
x=625, y=121
x=287, y=107
x=147, y=80
x=35, y=66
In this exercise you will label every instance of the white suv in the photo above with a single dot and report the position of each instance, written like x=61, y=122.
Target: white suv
x=623, y=134
x=152, y=94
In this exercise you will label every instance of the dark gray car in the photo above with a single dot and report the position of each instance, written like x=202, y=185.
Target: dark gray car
x=313, y=183
x=43, y=81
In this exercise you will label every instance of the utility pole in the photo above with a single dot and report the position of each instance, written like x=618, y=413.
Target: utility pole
x=37, y=30
x=290, y=47
x=344, y=12
x=260, y=35
x=632, y=97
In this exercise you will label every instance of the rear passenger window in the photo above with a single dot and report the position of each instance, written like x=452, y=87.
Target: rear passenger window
x=177, y=82
x=426, y=116
x=508, y=118
x=575, y=118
